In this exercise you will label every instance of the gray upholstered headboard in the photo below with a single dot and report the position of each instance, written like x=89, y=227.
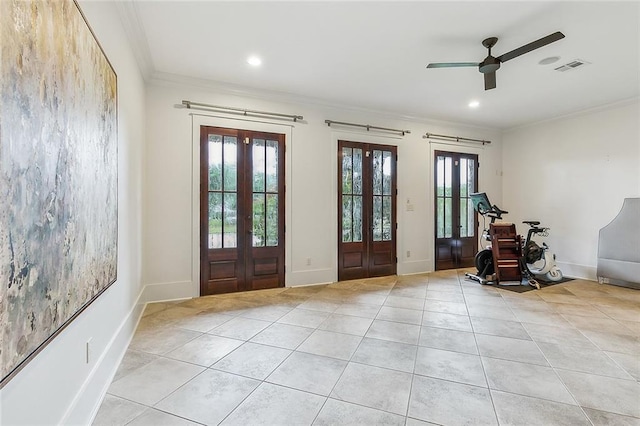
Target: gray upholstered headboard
x=619, y=247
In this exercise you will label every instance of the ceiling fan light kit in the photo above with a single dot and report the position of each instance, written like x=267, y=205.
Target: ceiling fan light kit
x=491, y=64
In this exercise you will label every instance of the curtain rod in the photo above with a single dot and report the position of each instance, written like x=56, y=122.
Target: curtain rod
x=367, y=126
x=454, y=138
x=246, y=112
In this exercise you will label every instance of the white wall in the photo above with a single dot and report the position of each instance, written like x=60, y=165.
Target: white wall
x=572, y=174
x=169, y=238
x=58, y=386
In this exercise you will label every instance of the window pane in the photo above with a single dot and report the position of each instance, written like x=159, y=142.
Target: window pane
x=230, y=157
x=357, y=171
x=230, y=216
x=471, y=228
x=463, y=217
x=258, y=152
x=347, y=171
x=215, y=163
x=471, y=178
x=347, y=219
x=447, y=176
x=387, y=166
x=377, y=172
x=272, y=220
x=215, y=220
x=440, y=177
x=386, y=218
x=447, y=217
x=377, y=218
x=463, y=177
x=357, y=219
x=440, y=217
x=272, y=166
x=258, y=220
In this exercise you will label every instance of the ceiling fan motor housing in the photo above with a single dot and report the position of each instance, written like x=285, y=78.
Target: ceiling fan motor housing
x=490, y=64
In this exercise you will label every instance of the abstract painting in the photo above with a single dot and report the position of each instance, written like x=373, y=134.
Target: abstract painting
x=58, y=174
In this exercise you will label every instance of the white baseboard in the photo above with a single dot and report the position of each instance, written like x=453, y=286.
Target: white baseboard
x=315, y=276
x=85, y=406
x=415, y=267
x=573, y=270
x=167, y=291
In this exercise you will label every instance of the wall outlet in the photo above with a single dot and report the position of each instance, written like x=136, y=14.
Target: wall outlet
x=308, y=261
x=88, y=351
x=408, y=253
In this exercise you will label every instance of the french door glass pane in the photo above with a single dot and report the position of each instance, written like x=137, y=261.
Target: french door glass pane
x=471, y=229
x=440, y=177
x=377, y=172
x=347, y=218
x=230, y=158
x=215, y=220
x=464, y=182
x=357, y=171
x=463, y=217
x=258, y=220
x=272, y=166
x=386, y=218
x=377, y=218
x=440, y=217
x=357, y=219
x=258, y=154
x=230, y=209
x=447, y=176
x=347, y=171
x=386, y=172
x=272, y=220
x=447, y=217
x=215, y=162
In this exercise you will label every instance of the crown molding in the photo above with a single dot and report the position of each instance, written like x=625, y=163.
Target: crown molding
x=576, y=114
x=134, y=31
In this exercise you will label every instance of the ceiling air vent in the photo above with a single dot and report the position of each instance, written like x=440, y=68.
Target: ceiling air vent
x=572, y=65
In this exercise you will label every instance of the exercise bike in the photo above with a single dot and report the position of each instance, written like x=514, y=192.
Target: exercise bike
x=539, y=260
x=535, y=261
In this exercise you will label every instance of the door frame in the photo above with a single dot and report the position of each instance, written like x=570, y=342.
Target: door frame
x=461, y=148
x=369, y=245
x=257, y=125
x=456, y=157
x=365, y=138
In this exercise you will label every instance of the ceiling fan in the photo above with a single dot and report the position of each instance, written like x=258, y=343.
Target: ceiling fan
x=490, y=65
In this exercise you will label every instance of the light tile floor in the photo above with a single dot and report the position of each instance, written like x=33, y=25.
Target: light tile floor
x=409, y=350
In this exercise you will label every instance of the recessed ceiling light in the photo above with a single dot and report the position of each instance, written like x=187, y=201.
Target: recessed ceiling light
x=549, y=60
x=254, y=61
x=474, y=104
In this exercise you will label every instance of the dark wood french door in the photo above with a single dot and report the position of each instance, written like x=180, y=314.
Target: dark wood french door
x=456, y=176
x=366, y=210
x=241, y=210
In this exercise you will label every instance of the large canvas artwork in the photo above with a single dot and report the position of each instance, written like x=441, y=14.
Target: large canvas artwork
x=58, y=174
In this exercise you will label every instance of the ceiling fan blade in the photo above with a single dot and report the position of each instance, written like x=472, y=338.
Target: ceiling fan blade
x=452, y=64
x=531, y=46
x=490, y=80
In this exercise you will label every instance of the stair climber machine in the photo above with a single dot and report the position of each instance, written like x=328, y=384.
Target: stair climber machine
x=532, y=259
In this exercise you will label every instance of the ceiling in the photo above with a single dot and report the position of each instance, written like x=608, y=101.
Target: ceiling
x=373, y=55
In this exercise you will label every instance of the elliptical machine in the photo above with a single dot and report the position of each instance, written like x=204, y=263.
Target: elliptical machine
x=535, y=261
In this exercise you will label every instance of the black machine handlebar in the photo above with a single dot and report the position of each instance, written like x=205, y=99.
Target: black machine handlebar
x=482, y=205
